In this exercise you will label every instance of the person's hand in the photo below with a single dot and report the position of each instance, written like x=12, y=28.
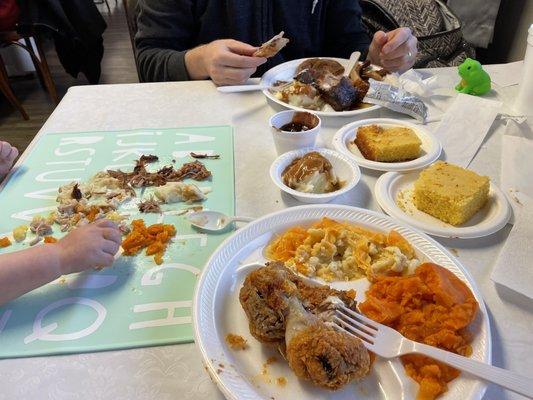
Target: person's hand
x=226, y=62
x=8, y=154
x=89, y=246
x=395, y=50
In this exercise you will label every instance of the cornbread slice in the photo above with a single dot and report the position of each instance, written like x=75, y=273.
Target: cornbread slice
x=450, y=193
x=387, y=144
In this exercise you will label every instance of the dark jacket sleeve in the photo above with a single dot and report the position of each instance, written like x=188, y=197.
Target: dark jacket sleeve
x=344, y=30
x=165, y=32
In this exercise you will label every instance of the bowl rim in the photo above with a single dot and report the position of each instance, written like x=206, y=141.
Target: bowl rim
x=276, y=177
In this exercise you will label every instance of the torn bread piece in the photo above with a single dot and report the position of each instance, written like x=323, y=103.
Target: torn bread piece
x=174, y=192
x=272, y=47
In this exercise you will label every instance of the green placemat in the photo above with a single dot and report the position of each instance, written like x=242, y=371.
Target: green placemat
x=135, y=302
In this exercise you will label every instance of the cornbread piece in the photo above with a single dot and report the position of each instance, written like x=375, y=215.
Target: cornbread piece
x=387, y=144
x=450, y=193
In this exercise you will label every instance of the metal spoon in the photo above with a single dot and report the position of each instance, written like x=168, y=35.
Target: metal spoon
x=213, y=220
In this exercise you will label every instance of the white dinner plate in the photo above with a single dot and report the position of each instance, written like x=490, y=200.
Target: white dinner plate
x=491, y=218
x=430, y=147
x=286, y=72
x=246, y=375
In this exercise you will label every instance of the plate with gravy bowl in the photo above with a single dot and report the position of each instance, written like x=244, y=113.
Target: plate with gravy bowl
x=386, y=144
x=314, y=175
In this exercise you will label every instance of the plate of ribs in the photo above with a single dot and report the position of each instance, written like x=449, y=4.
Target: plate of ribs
x=322, y=85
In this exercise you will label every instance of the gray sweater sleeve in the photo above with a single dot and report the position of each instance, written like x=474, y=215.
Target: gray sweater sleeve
x=165, y=33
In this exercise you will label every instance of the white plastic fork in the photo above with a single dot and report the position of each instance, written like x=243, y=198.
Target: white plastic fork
x=388, y=343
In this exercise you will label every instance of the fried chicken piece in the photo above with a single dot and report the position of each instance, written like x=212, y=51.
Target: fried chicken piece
x=264, y=298
x=272, y=47
x=321, y=354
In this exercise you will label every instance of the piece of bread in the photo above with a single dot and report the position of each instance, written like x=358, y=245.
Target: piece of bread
x=272, y=47
x=450, y=193
x=392, y=144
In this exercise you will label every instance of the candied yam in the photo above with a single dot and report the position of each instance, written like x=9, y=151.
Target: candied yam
x=433, y=307
x=50, y=239
x=5, y=242
x=154, y=238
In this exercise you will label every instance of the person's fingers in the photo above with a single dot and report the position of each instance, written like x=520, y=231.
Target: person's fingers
x=104, y=259
x=5, y=149
x=380, y=38
x=233, y=76
x=110, y=247
x=13, y=154
x=395, y=64
x=395, y=39
x=112, y=234
x=402, y=50
x=241, y=48
x=235, y=60
x=106, y=223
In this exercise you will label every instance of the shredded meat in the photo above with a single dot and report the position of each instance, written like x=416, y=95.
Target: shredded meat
x=76, y=192
x=213, y=157
x=149, y=206
x=140, y=177
x=150, y=158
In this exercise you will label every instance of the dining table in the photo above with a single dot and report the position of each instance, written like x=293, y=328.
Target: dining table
x=177, y=371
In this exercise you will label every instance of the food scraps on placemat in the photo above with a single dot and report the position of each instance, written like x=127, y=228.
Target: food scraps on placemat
x=208, y=156
x=155, y=238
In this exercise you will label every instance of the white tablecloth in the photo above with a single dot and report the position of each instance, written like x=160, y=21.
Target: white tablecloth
x=176, y=372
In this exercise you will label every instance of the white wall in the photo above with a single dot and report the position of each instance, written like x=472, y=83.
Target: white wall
x=518, y=45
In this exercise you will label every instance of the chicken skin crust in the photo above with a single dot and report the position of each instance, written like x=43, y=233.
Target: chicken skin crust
x=264, y=298
x=327, y=357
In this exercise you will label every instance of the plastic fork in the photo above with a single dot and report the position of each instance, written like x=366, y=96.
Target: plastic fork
x=388, y=343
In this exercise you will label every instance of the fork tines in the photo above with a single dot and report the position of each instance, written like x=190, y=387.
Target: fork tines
x=356, y=324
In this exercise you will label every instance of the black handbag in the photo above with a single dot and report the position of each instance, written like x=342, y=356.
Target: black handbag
x=437, y=28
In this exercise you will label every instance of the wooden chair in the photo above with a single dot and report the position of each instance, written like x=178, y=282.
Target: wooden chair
x=11, y=38
x=131, y=9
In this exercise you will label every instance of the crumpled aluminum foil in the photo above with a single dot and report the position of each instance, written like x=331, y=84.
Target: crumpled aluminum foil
x=396, y=99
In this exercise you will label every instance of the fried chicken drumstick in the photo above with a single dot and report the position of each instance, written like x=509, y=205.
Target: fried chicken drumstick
x=293, y=313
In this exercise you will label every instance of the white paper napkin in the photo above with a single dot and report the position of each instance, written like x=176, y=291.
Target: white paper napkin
x=509, y=75
x=464, y=126
x=514, y=265
x=517, y=164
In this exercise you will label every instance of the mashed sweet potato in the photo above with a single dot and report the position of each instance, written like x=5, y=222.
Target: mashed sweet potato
x=154, y=238
x=432, y=306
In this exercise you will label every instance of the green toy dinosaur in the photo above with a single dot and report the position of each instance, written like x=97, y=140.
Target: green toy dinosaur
x=475, y=80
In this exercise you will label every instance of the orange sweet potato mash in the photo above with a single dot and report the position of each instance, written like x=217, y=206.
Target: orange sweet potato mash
x=5, y=242
x=154, y=238
x=432, y=306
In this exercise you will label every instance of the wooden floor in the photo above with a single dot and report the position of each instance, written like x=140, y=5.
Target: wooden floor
x=118, y=66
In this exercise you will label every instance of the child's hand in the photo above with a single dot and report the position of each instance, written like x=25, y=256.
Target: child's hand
x=8, y=154
x=89, y=246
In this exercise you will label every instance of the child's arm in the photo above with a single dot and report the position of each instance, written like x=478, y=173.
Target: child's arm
x=8, y=154
x=89, y=246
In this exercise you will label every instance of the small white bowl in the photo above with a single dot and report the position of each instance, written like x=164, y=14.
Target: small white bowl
x=287, y=141
x=344, y=168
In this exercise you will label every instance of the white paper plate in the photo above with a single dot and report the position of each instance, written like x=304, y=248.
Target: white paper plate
x=217, y=312
x=286, y=72
x=430, y=147
x=344, y=168
x=491, y=218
